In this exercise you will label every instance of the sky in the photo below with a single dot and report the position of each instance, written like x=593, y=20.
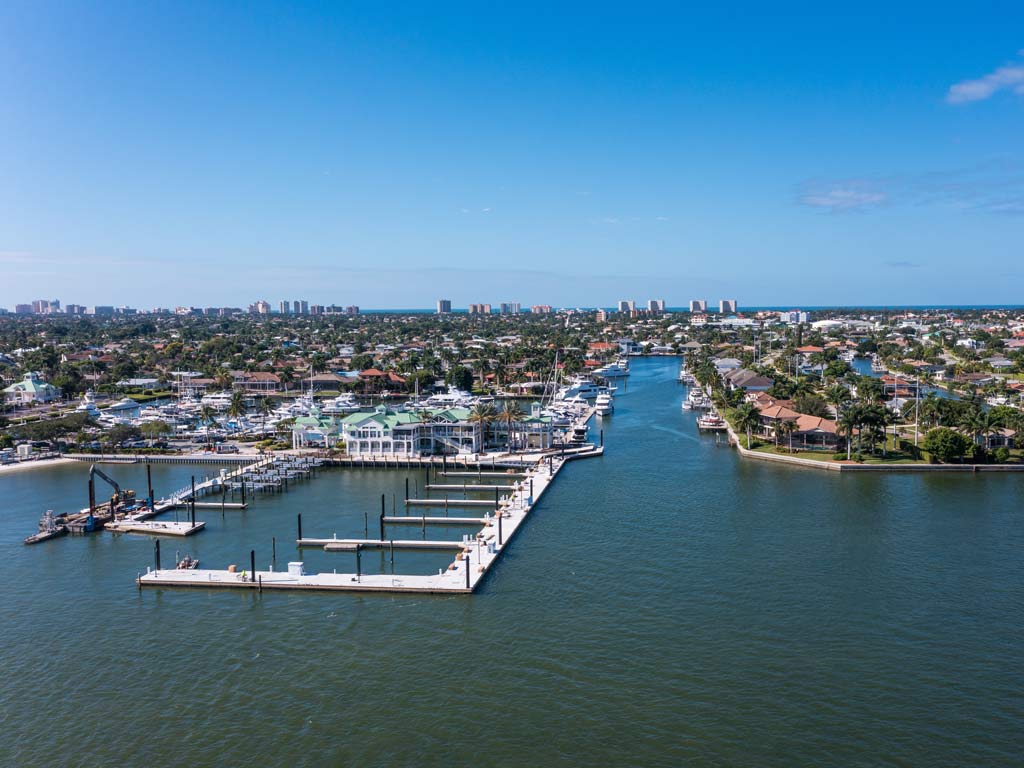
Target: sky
x=388, y=154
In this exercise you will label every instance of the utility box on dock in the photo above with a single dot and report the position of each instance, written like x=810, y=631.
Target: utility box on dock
x=24, y=450
x=296, y=569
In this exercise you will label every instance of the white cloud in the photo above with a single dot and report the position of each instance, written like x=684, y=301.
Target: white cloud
x=1007, y=76
x=842, y=198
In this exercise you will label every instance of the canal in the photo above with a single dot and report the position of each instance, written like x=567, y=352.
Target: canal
x=666, y=604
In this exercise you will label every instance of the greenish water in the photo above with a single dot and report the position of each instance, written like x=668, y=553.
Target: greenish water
x=665, y=605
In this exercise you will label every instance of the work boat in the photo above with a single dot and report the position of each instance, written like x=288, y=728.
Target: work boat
x=603, y=405
x=710, y=422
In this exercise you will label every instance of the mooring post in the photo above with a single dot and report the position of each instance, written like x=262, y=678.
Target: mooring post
x=243, y=489
x=193, y=502
x=273, y=550
x=156, y=553
x=300, y=526
x=366, y=524
x=252, y=564
x=149, y=483
x=497, y=499
x=193, y=515
x=392, y=551
x=468, y=553
x=261, y=583
x=407, y=488
x=359, y=560
x=223, y=497
x=601, y=433
x=444, y=464
x=531, y=490
x=499, y=527
x=382, y=499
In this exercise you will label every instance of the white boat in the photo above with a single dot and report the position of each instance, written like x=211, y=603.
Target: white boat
x=617, y=370
x=453, y=398
x=711, y=422
x=603, y=405
x=124, y=404
x=343, y=403
x=848, y=356
x=697, y=400
x=578, y=386
x=221, y=401
x=88, y=405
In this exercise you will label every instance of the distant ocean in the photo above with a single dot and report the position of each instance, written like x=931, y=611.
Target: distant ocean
x=779, y=308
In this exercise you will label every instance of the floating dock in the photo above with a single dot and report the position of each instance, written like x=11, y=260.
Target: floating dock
x=475, y=554
x=156, y=527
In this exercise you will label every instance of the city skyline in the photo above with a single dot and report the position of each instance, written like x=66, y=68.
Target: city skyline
x=558, y=155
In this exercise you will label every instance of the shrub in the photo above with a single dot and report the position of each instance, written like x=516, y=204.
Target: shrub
x=839, y=456
x=1001, y=455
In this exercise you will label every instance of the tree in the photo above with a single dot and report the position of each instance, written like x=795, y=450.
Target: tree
x=747, y=417
x=236, y=409
x=786, y=428
x=511, y=414
x=945, y=444
x=482, y=415
x=154, y=429
x=208, y=417
x=837, y=396
x=461, y=377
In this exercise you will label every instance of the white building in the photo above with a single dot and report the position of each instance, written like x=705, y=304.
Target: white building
x=627, y=305
x=698, y=305
x=727, y=306
x=656, y=306
x=31, y=389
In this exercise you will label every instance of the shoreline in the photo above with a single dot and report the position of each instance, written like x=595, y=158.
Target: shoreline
x=24, y=466
x=835, y=466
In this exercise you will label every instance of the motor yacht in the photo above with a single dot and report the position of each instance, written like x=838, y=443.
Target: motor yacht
x=603, y=405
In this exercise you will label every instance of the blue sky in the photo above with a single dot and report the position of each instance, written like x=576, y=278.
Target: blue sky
x=388, y=154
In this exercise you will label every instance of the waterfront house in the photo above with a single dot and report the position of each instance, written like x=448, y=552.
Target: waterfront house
x=747, y=380
x=256, y=382
x=30, y=390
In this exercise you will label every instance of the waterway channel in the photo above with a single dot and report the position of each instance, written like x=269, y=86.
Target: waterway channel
x=667, y=604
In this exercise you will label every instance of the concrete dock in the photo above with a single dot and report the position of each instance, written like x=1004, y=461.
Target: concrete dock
x=155, y=527
x=475, y=554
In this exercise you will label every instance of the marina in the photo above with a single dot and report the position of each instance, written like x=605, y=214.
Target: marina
x=667, y=535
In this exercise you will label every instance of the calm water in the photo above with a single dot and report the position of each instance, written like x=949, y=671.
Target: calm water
x=665, y=605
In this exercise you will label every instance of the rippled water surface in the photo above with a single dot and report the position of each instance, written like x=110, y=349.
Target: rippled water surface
x=665, y=605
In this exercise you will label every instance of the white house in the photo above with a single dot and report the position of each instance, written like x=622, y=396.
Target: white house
x=31, y=389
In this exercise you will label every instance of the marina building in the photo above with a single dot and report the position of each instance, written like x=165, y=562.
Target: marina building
x=424, y=432
x=31, y=389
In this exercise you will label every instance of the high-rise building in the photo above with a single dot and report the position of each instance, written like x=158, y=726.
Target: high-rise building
x=698, y=305
x=303, y=307
x=727, y=306
x=479, y=309
x=23, y=309
x=793, y=317
x=259, y=308
x=444, y=306
x=656, y=306
x=101, y=311
x=627, y=305
x=601, y=316
x=316, y=309
x=75, y=309
x=285, y=307
x=510, y=308
x=541, y=309
x=352, y=309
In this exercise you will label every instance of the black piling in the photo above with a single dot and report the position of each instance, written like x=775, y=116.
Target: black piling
x=407, y=487
x=261, y=583
x=300, y=525
x=531, y=490
x=366, y=524
x=193, y=500
x=243, y=489
x=499, y=528
x=601, y=433
x=252, y=564
x=359, y=560
x=149, y=483
x=382, y=501
x=467, y=569
x=273, y=550
x=156, y=553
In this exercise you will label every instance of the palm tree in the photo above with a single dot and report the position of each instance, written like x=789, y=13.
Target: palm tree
x=837, y=396
x=237, y=407
x=511, y=414
x=482, y=415
x=847, y=424
x=207, y=415
x=263, y=406
x=747, y=417
x=786, y=428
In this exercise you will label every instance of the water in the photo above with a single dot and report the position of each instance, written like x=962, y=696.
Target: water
x=667, y=604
